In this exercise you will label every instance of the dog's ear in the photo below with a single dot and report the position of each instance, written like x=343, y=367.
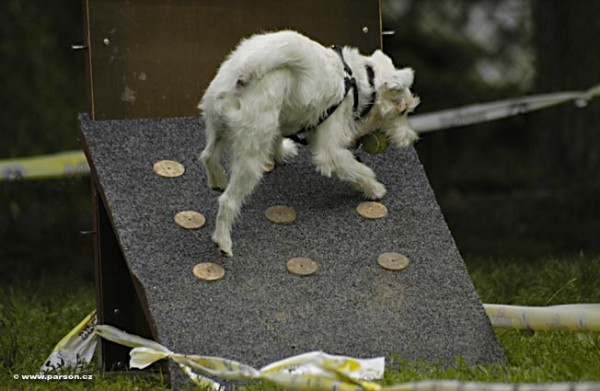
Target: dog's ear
x=382, y=63
x=400, y=80
x=378, y=55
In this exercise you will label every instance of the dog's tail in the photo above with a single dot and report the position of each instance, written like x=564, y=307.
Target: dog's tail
x=260, y=54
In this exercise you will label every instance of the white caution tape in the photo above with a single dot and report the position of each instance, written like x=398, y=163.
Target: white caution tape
x=76, y=349
x=318, y=370
x=455, y=385
x=314, y=370
x=311, y=371
x=495, y=110
x=581, y=317
x=303, y=364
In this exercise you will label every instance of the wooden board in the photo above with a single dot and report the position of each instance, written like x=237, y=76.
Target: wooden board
x=149, y=59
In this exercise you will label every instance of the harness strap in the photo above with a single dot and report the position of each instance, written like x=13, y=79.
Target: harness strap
x=367, y=109
x=349, y=84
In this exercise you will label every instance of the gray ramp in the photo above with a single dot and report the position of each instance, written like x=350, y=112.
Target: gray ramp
x=259, y=312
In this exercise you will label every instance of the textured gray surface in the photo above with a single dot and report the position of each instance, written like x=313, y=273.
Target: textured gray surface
x=259, y=312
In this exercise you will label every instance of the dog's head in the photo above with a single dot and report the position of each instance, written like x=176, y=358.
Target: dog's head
x=394, y=99
x=393, y=86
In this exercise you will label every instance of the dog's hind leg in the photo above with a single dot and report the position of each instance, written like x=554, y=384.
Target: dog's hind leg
x=211, y=158
x=249, y=159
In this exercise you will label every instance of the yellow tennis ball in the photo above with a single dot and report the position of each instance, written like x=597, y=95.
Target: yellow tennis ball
x=375, y=143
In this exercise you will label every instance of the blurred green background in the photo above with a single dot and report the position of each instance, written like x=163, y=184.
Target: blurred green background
x=525, y=188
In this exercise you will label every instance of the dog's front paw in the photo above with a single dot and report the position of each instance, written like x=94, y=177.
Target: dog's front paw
x=225, y=253
x=375, y=191
x=219, y=188
x=224, y=249
x=224, y=245
x=217, y=181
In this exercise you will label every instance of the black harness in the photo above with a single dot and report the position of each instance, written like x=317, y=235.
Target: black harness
x=349, y=84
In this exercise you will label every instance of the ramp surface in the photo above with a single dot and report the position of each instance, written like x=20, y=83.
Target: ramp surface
x=259, y=312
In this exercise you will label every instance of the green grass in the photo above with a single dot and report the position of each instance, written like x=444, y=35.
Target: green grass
x=35, y=315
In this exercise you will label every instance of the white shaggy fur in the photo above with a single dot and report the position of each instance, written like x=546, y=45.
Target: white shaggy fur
x=271, y=86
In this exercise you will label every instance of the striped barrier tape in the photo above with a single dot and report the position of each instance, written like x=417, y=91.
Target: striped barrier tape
x=74, y=162
x=491, y=111
x=578, y=317
x=311, y=371
x=318, y=370
x=76, y=349
x=314, y=370
x=44, y=167
x=307, y=372
x=455, y=385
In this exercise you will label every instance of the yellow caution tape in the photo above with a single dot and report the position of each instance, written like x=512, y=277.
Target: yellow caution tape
x=75, y=349
x=582, y=317
x=44, y=167
x=309, y=371
x=314, y=371
x=455, y=385
x=317, y=370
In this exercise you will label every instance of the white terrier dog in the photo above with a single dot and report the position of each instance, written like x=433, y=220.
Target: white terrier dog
x=277, y=86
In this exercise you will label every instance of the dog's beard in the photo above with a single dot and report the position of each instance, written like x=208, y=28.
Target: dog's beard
x=400, y=133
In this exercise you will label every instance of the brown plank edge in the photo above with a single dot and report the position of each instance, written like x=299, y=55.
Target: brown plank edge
x=120, y=300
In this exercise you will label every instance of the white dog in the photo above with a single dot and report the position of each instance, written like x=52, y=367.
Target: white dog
x=279, y=86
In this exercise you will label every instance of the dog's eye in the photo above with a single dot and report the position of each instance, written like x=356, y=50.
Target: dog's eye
x=394, y=86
